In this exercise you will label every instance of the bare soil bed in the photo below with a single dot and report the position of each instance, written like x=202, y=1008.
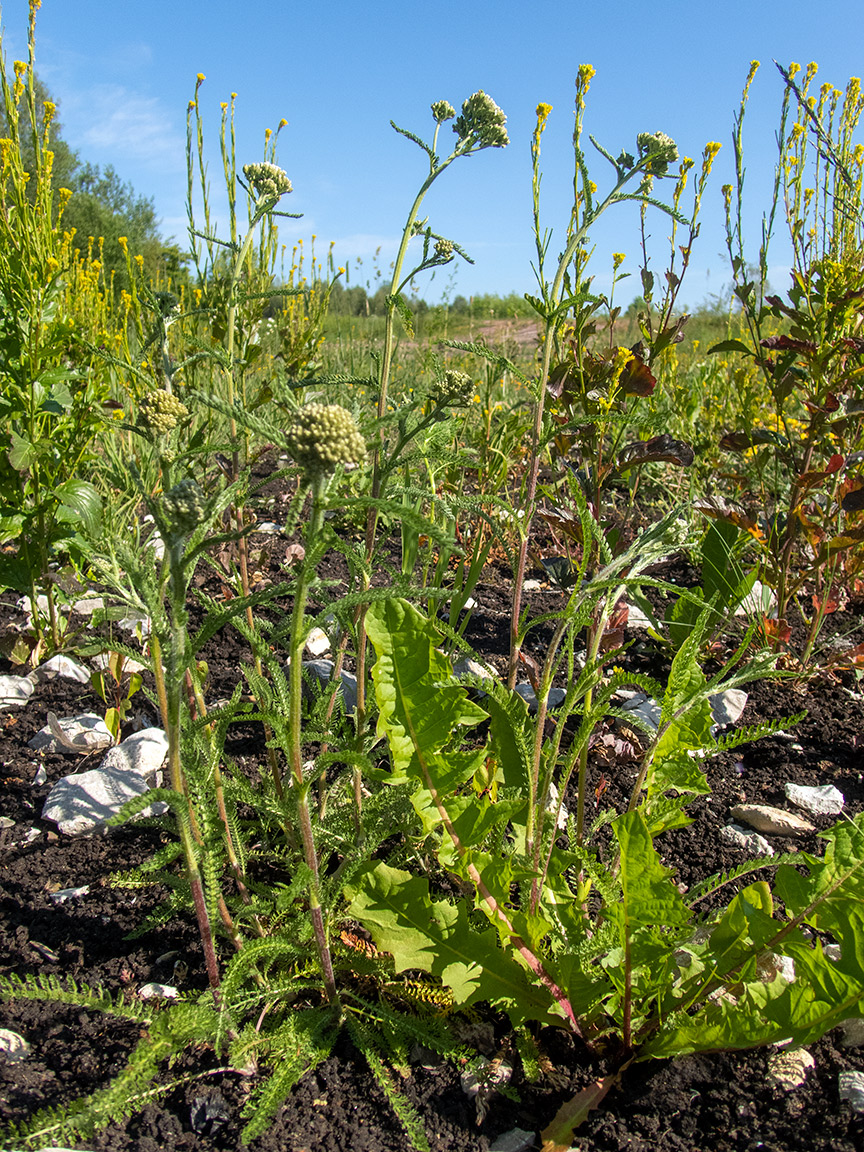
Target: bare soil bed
x=718, y=1101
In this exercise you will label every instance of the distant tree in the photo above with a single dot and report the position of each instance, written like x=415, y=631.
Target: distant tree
x=101, y=204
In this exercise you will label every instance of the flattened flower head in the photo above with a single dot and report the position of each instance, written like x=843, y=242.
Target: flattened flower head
x=444, y=249
x=482, y=123
x=665, y=148
x=160, y=412
x=320, y=437
x=267, y=180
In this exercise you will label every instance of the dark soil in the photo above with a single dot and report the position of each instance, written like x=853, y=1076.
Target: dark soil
x=719, y=1101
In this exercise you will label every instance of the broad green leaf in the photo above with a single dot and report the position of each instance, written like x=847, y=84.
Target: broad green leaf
x=22, y=454
x=435, y=936
x=649, y=894
x=82, y=503
x=419, y=711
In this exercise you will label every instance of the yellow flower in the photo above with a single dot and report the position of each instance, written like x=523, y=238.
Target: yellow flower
x=281, y=124
x=618, y=259
x=543, y=111
x=200, y=77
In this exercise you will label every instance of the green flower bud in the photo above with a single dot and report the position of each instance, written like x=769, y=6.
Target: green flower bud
x=665, y=148
x=482, y=123
x=453, y=388
x=267, y=180
x=444, y=249
x=320, y=437
x=160, y=412
x=442, y=111
x=184, y=507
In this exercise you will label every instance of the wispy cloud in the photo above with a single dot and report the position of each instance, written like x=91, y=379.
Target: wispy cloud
x=123, y=126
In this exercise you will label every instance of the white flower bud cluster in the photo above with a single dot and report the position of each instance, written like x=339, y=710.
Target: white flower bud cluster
x=444, y=249
x=482, y=122
x=267, y=180
x=663, y=145
x=160, y=412
x=442, y=110
x=322, y=436
x=184, y=506
x=453, y=387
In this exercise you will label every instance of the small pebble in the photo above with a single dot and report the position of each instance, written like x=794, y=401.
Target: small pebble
x=14, y=1047
x=157, y=992
x=853, y=1033
x=788, y=1069
x=751, y=842
x=822, y=801
x=851, y=1087
x=516, y=1140
x=770, y=820
x=64, y=895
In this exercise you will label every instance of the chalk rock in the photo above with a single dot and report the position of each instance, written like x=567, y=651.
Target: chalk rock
x=758, y=600
x=100, y=661
x=636, y=618
x=727, y=707
x=63, y=667
x=157, y=992
x=142, y=752
x=268, y=528
x=788, y=1069
x=64, y=895
x=851, y=1088
x=317, y=642
x=532, y=586
x=516, y=1140
x=822, y=801
x=136, y=621
x=81, y=803
x=467, y=667
x=87, y=605
x=73, y=735
x=6, y=822
x=853, y=1033
x=15, y=691
x=773, y=821
x=749, y=842
x=14, y=1047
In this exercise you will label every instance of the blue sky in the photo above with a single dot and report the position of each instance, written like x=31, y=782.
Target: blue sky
x=338, y=72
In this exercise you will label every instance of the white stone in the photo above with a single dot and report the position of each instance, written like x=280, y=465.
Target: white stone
x=64, y=895
x=516, y=1140
x=135, y=621
x=317, y=642
x=727, y=707
x=73, y=735
x=88, y=605
x=101, y=660
x=772, y=821
x=788, y=1069
x=14, y=1047
x=40, y=777
x=15, y=691
x=157, y=992
x=853, y=1033
x=268, y=528
x=851, y=1088
x=32, y=834
x=758, y=600
x=25, y=604
x=64, y=667
x=636, y=618
x=751, y=842
x=143, y=753
x=468, y=667
x=822, y=801
x=81, y=803
x=532, y=586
